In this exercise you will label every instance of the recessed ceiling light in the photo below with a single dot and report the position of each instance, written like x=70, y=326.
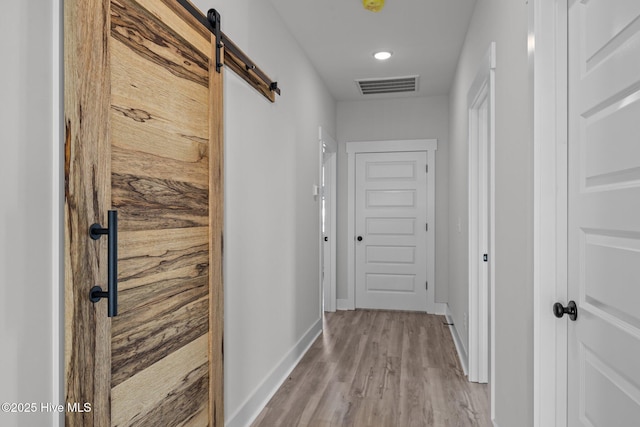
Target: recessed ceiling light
x=382, y=55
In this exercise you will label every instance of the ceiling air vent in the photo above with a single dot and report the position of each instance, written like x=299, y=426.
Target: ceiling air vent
x=388, y=85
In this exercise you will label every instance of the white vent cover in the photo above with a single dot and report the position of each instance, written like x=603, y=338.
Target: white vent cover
x=388, y=85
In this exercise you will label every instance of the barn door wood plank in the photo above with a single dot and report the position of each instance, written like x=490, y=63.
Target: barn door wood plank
x=160, y=112
x=216, y=239
x=87, y=168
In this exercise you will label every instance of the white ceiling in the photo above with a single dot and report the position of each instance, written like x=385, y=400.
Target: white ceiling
x=340, y=36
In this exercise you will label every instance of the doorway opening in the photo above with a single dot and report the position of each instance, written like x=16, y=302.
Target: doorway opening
x=480, y=101
x=370, y=252
x=328, y=225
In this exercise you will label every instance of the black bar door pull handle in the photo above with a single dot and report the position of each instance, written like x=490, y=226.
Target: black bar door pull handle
x=96, y=293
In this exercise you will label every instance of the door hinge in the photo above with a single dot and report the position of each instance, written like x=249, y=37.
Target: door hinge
x=485, y=257
x=427, y=226
x=426, y=285
x=427, y=169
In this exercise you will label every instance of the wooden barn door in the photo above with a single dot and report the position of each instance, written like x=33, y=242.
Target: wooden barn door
x=143, y=113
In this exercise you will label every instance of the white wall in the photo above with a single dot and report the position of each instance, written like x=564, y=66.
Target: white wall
x=505, y=22
x=392, y=119
x=29, y=208
x=272, y=293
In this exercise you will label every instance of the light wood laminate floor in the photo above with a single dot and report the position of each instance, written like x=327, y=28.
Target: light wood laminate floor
x=379, y=369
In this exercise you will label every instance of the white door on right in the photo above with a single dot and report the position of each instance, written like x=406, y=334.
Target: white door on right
x=391, y=228
x=604, y=213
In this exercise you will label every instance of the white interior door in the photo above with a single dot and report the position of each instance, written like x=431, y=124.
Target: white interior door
x=604, y=213
x=391, y=227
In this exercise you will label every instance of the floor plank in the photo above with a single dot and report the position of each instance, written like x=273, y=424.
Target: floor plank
x=383, y=369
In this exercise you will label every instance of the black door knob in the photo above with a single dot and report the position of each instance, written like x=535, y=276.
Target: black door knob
x=571, y=309
x=359, y=238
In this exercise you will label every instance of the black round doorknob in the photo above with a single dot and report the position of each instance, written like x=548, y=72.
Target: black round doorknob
x=359, y=238
x=571, y=309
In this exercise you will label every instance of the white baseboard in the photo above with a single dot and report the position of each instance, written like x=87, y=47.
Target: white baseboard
x=462, y=354
x=441, y=309
x=257, y=400
x=344, y=304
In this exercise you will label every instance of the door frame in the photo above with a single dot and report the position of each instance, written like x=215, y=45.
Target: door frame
x=329, y=144
x=390, y=146
x=548, y=54
x=481, y=230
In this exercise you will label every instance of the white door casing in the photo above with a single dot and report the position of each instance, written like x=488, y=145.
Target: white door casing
x=481, y=106
x=604, y=213
x=353, y=150
x=328, y=150
x=548, y=79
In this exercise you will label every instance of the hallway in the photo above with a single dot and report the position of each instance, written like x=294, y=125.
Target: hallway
x=379, y=368
x=388, y=373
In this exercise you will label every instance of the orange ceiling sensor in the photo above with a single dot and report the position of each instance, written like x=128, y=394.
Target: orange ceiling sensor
x=373, y=5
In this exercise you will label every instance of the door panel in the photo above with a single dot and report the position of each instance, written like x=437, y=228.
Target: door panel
x=391, y=215
x=604, y=24
x=395, y=171
x=391, y=226
x=163, y=162
x=161, y=335
x=87, y=106
x=179, y=381
x=390, y=283
x=390, y=199
x=604, y=212
x=391, y=254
